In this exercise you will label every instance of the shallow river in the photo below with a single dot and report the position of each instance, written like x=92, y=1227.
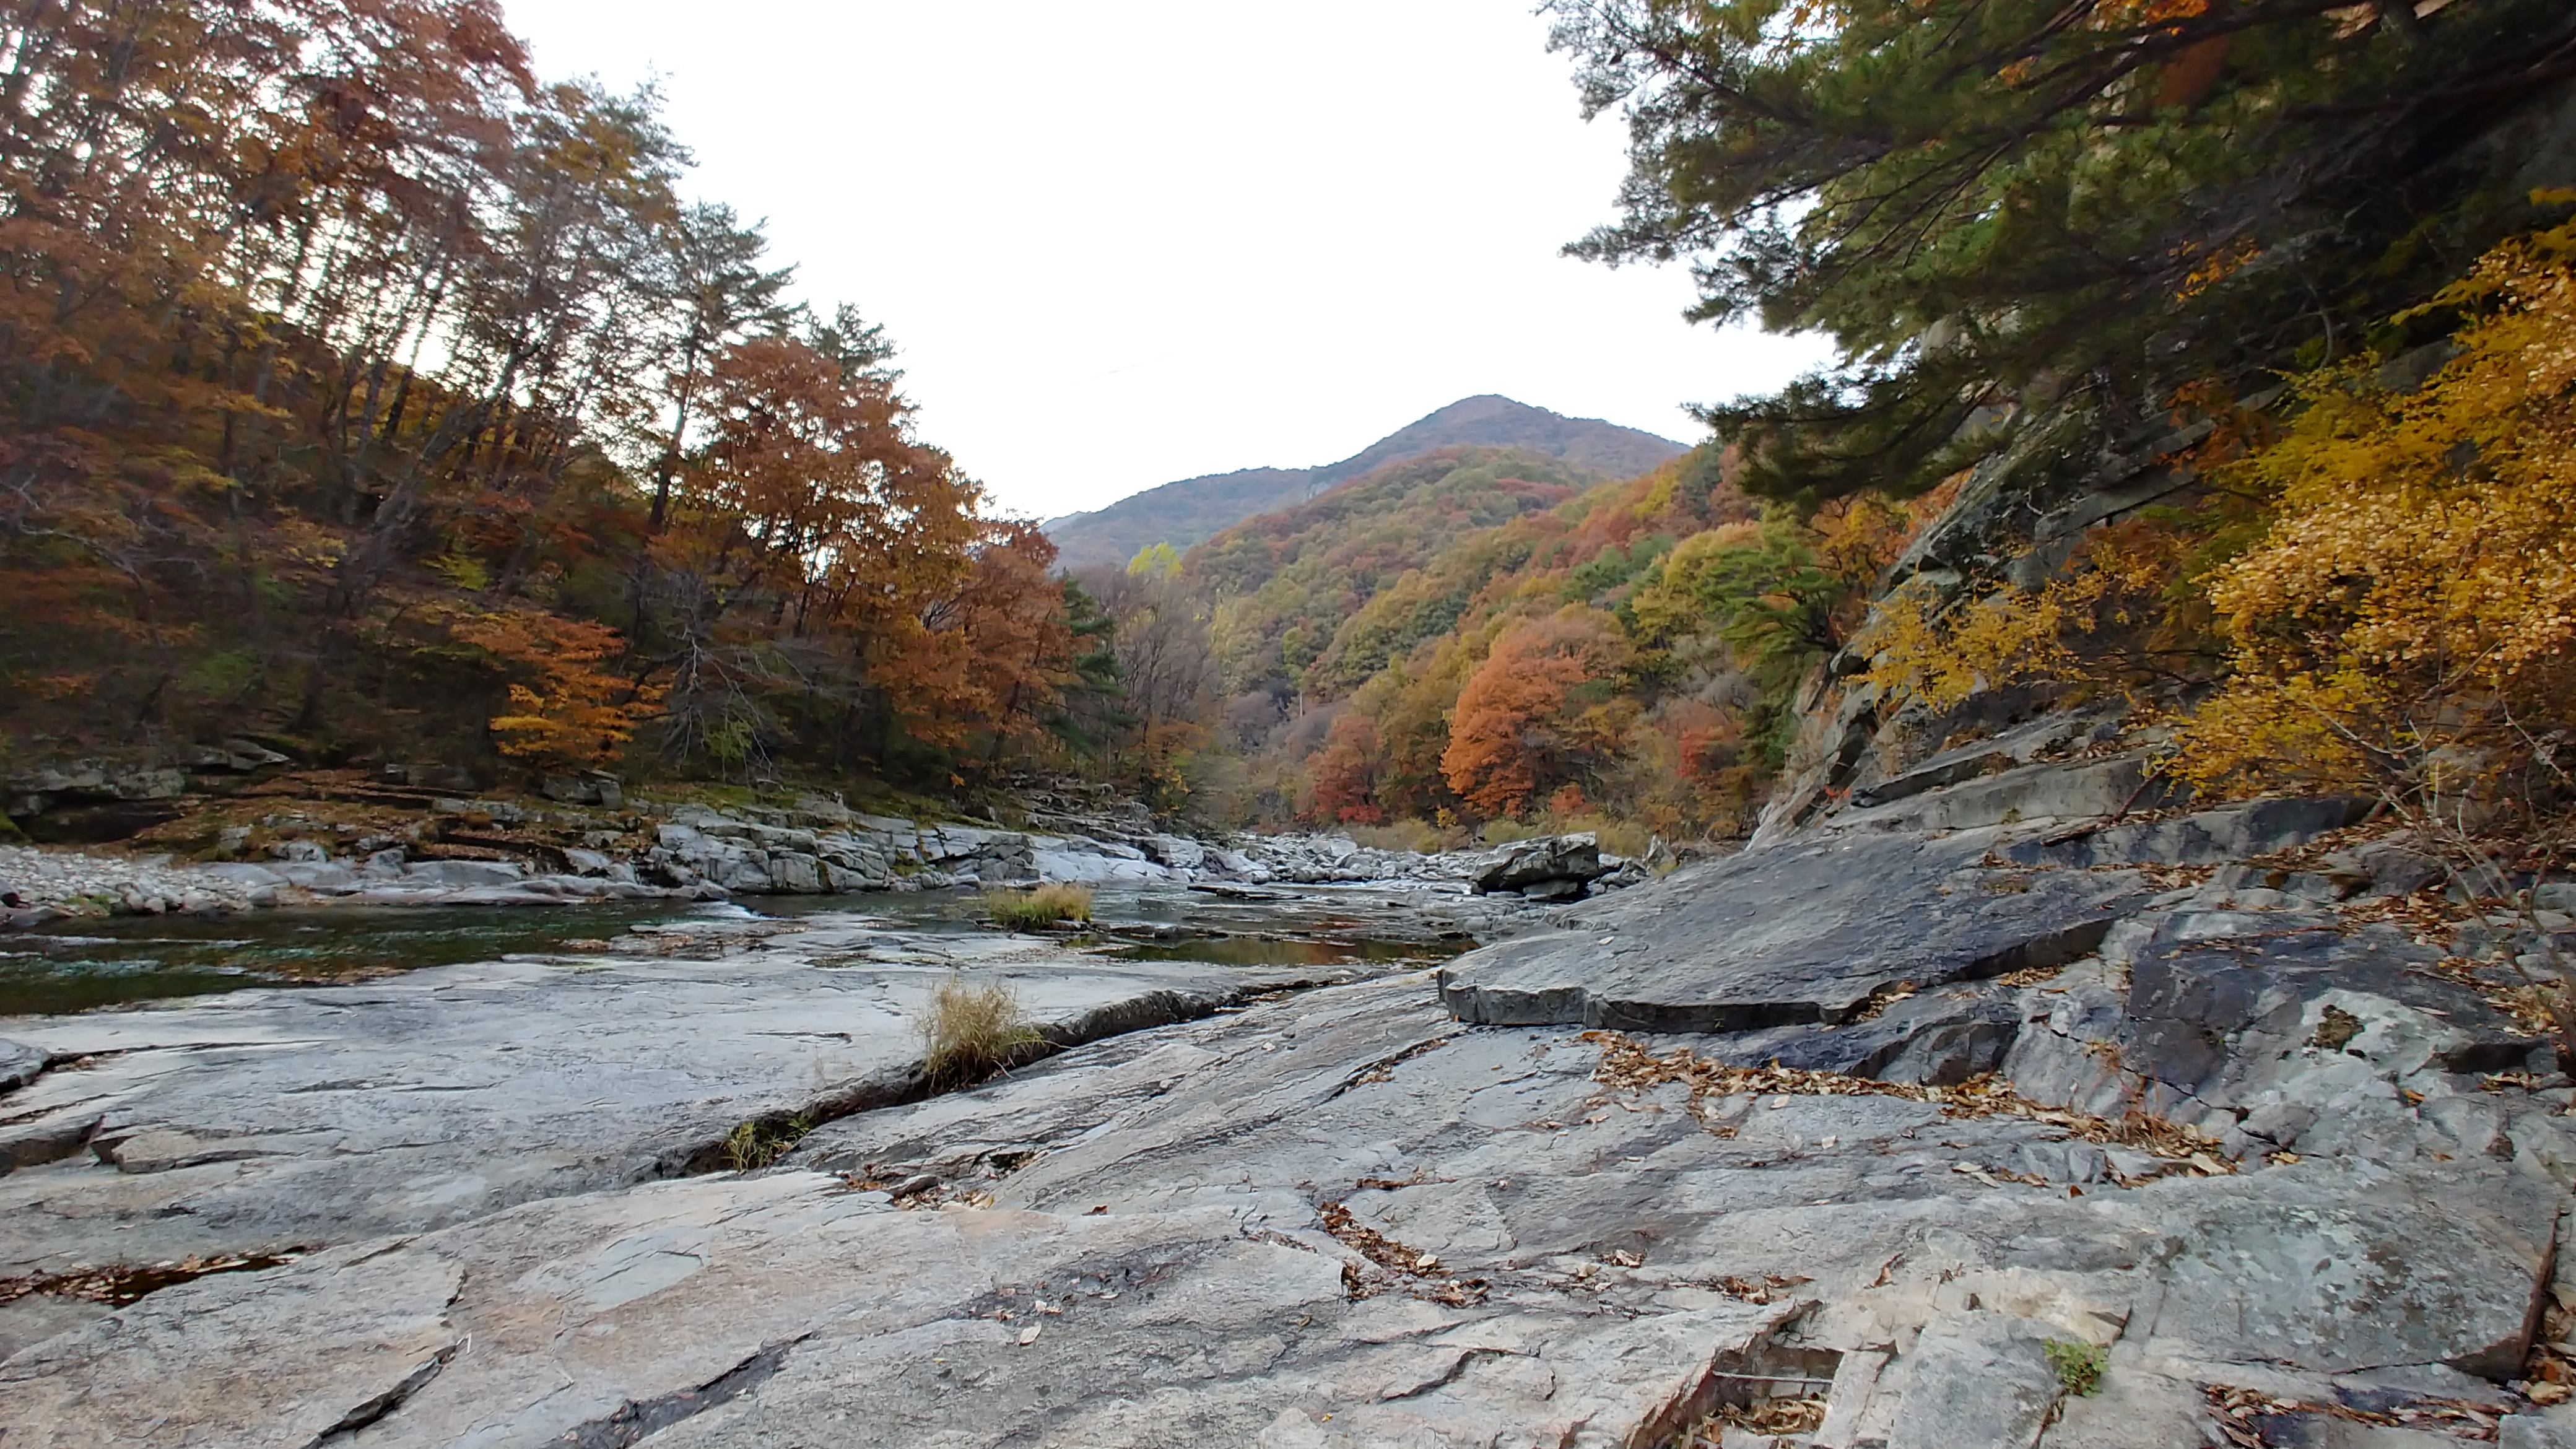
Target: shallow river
x=81, y=965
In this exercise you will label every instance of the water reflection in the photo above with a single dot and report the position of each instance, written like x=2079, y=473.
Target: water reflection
x=82, y=965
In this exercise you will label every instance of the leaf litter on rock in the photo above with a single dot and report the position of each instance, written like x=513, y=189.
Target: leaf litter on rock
x=1435, y=1281
x=1627, y=1065
x=1774, y=1417
x=2240, y=1416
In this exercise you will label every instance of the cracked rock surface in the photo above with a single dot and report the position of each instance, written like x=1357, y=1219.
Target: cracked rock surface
x=1897, y=1124
x=267, y=1119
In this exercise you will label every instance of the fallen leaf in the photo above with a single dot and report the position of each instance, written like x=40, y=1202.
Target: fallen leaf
x=1029, y=1335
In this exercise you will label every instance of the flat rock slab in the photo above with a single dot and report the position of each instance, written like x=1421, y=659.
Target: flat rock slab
x=790, y=1310
x=1801, y=932
x=1529, y=1257
x=270, y=1119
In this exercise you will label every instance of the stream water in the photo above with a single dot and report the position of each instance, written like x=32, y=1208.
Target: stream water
x=84, y=965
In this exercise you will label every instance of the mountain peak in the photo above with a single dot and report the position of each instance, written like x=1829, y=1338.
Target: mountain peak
x=1195, y=509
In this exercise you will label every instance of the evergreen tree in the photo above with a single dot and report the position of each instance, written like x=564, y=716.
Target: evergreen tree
x=1997, y=205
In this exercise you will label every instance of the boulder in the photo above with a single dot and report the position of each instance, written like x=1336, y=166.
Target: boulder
x=591, y=789
x=19, y=1064
x=588, y=862
x=1537, y=862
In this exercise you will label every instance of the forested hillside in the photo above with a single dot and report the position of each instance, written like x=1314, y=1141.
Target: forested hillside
x=2170, y=338
x=363, y=392
x=1197, y=509
x=1469, y=638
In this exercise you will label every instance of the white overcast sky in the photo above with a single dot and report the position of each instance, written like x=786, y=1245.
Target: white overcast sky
x=1130, y=241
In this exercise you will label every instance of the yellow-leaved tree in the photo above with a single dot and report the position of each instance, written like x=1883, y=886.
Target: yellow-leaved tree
x=2404, y=625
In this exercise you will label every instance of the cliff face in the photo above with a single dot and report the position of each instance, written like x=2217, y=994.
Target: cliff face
x=1196, y=509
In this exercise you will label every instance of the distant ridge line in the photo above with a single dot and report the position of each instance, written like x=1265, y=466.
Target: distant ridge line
x=1194, y=510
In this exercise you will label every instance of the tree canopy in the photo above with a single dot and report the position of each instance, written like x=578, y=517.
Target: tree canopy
x=1992, y=205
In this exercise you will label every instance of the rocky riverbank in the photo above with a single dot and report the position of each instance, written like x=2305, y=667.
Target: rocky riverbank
x=507, y=853
x=2079, y=1132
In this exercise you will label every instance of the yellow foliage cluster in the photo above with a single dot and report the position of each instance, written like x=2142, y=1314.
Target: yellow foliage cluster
x=2413, y=601
x=1923, y=649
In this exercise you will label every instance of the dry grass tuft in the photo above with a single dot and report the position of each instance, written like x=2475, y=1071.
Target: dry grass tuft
x=1038, y=909
x=971, y=1034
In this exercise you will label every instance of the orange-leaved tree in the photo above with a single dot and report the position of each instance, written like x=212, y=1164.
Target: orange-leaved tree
x=565, y=710
x=1543, y=711
x=1346, y=772
x=811, y=543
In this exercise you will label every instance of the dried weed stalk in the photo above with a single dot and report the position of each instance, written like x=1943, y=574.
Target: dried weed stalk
x=971, y=1034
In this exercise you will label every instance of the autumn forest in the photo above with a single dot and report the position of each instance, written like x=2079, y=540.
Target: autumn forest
x=368, y=395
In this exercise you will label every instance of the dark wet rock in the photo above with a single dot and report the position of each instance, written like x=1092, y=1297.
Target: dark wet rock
x=2395, y=869
x=2199, y=1003
x=2281, y=1029
x=1548, y=867
x=97, y=824
x=1804, y=932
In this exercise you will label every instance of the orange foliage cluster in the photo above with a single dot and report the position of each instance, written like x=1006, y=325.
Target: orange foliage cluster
x=1627, y=653
x=1543, y=710
x=358, y=387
